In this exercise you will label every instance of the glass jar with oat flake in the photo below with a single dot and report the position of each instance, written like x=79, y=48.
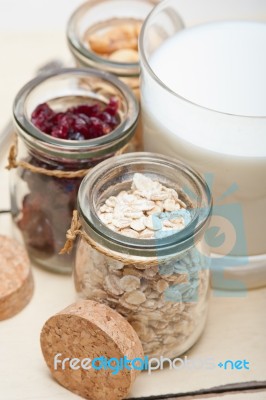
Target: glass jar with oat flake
x=142, y=221
x=103, y=34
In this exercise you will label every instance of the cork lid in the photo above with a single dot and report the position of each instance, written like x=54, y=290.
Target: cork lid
x=16, y=282
x=86, y=330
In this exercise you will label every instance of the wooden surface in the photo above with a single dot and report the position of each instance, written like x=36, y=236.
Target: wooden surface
x=236, y=327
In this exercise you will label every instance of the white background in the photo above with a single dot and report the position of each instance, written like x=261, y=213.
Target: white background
x=32, y=32
x=35, y=15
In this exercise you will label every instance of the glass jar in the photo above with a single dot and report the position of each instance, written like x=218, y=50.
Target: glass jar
x=42, y=205
x=206, y=115
x=167, y=278
x=97, y=17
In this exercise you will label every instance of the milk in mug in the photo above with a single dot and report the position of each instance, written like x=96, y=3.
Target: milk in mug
x=216, y=119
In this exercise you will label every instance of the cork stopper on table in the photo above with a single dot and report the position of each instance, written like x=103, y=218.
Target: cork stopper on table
x=87, y=329
x=16, y=282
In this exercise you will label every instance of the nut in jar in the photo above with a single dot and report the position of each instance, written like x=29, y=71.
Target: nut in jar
x=104, y=34
x=142, y=249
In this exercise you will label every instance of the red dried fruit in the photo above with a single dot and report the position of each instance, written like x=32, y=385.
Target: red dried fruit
x=77, y=123
x=35, y=225
x=42, y=109
x=90, y=111
x=112, y=107
x=42, y=118
x=60, y=132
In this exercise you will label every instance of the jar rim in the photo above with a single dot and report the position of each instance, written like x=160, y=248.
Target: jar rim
x=177, y=242
x=79, y=148
x=77, y=46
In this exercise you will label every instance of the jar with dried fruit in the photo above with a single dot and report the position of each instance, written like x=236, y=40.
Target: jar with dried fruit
x=103, y=34
x=143, y=220
x=67, y=122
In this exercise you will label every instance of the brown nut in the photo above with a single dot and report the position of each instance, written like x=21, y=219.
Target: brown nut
x=125, y=55
x=122, y=37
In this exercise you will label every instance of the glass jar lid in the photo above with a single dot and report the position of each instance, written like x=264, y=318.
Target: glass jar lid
x=116, y=175
x=64, y=88
x=88, y=18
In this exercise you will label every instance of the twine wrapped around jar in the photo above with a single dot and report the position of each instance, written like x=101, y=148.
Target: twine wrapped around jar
x=75, y=230
x=13, y=163
x=165, y=301
x=159, y=284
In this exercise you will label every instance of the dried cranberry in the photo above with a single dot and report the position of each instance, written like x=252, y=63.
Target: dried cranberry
x=105, y=117
x=58, y=118
x=42, y=118
x=77, y=123
x=67, y=121
x=46, y=211
x=90, y=111
x=80, y=125
x=112, y=107
x=60, y=132
x=35, y=225
x=42, y=109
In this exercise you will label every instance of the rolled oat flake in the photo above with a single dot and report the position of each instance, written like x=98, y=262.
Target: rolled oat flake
x=148, y=210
